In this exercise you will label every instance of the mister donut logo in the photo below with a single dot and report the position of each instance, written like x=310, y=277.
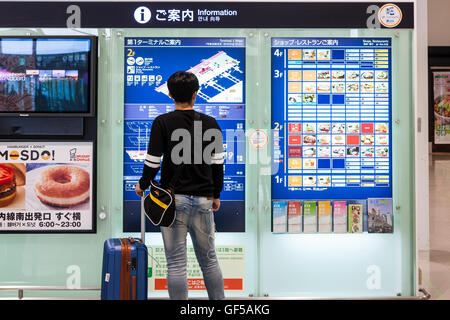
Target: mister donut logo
x=75, y=156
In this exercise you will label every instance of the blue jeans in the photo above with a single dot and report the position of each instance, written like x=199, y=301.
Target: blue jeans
x=194, y=214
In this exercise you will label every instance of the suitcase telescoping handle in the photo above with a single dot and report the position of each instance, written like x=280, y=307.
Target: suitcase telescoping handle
x=142, y=220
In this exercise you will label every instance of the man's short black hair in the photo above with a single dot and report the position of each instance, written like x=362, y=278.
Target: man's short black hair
x=182, y=86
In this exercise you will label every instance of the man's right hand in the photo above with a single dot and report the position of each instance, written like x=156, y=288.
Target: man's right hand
x=216, y=204
x=138, y=190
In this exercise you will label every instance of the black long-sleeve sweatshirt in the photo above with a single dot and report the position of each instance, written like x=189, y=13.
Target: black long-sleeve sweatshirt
x=170, y=141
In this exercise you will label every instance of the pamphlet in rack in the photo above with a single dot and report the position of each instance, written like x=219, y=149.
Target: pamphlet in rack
x=279, y=217
x=295, y=217
x=374, y=215
x=380, y=218
x=325, y=217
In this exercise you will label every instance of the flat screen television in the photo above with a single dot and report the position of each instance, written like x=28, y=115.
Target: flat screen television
x=48, y=76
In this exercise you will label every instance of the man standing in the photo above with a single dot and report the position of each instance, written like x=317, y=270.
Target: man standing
x=197, y=191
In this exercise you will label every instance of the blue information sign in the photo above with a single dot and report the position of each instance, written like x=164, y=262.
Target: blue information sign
x=219, y=64
x=331, y=118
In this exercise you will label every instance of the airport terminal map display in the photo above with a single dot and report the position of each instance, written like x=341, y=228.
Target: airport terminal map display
x=219, y=64
x=331, y=118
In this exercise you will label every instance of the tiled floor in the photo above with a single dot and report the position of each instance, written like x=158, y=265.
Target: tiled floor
x=435, y=264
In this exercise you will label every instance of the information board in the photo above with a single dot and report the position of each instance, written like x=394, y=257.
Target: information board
x=219, y=64
x=331, y=118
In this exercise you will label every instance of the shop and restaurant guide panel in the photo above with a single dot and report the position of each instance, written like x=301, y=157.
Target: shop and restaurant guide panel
x=219, y=64
x=331, y=120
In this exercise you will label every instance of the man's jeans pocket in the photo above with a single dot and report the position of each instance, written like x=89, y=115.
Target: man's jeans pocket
x=205, y=205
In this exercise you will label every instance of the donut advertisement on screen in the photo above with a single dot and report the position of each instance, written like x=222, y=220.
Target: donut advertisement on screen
x=46, y=187
x=58, y=186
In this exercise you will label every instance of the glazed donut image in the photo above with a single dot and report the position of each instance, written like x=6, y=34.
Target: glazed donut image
x=63, y=186
x=8, y=188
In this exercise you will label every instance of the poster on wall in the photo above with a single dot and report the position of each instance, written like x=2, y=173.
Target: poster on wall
x=219, y=64
x=441, y=107
x=332, y=136
x=231, y=260
x=46, y=187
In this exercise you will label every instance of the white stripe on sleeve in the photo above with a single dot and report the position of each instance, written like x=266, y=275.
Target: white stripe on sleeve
x=151, y=158
x=151, y=164
x=218, y=156
x=217, y=161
